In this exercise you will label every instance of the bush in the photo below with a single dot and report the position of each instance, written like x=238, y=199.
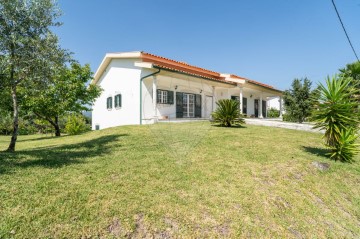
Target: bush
x=288, y=118
x=227, y=113
x=76, y=124
x=6, y=123
x=273, y=113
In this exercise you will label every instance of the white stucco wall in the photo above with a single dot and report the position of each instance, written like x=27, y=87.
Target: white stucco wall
x=274, y=102
x=121, y=76
x=165, y=82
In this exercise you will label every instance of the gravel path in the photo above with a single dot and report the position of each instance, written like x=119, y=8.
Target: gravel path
x=281, y=124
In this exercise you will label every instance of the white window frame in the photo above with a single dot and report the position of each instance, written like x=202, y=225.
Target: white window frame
x=162, y=96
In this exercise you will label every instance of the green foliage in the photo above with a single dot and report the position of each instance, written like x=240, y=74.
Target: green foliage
x=67, y=92
x=76, y=124
x=299, y=99
x=273, y=113
x=227, y=113
x=288, y=118
x=352, y=71
x=346, y=148
x=29, y=51
x=337, y=112
x=5, y=122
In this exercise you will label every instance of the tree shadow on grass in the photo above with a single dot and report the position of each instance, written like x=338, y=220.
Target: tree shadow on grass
x=316, y=151
x=231, y=127
x=41, y=138
x=59, y=156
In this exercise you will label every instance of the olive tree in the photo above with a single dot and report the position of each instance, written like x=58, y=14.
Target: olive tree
x=28, y=48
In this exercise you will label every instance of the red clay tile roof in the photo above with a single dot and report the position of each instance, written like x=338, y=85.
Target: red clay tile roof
x=179, y=66
x=199, y=75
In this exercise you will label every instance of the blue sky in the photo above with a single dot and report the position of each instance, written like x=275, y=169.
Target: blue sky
x=269, y=41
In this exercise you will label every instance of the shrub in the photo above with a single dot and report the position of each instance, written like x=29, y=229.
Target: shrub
x=273, y=113
x=227, y=113
x=6, y=123
x=337, y=113
x=76, y=124
x=288, y=118
x=346, y=148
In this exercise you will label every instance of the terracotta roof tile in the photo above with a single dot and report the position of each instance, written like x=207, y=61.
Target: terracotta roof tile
x=194, y=74
x=179, y=62
x=179, y=66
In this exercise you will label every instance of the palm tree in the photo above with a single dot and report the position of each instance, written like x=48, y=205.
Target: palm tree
x=227, y=113
x=337, y=112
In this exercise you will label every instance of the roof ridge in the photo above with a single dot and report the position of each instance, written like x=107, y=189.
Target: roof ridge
x=180, y=62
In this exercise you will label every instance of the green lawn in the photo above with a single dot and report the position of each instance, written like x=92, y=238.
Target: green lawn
x=177, y=180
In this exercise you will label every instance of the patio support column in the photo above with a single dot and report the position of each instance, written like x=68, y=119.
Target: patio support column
x=260, y=107
x=155, y=98
x=213, y=101
x=280, y=107
x=241, y=100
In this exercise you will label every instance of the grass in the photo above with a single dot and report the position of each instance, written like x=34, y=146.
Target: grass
x=177, y=180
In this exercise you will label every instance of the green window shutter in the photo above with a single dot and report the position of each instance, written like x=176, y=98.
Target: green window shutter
x=244, y=105
x=179, y=105
x=264, y=108
x=109, y=103
x=198, y=106
x=170, y=97
x=120, y=101
x=158, y=98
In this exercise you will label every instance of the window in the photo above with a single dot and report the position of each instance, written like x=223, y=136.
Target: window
x=162, y=97
x=109, y=103
x=244, y=106
x=118, y=101
x=165, y=97
x=237, y=98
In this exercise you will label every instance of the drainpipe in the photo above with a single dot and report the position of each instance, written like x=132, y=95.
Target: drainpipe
x=141, y=80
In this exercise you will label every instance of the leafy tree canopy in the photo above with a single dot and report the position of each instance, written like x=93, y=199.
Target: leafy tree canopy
x=352, y=70
x=298, y=100
x=67, y=92
x=29, y=51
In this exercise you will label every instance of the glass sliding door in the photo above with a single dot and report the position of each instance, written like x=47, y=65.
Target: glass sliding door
x=188, y=105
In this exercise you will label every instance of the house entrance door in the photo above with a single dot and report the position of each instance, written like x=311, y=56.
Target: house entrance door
x=256, y=108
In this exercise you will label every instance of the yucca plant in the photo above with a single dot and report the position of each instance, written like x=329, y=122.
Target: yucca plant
x=337, y=112
x=227, y=113
x=346, y=148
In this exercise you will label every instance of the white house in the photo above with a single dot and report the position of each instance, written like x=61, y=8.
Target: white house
x=142, y=88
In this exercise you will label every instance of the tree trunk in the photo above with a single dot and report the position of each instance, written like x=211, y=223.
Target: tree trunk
x=11, y=147
x=56, y=126
x=54, y=123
